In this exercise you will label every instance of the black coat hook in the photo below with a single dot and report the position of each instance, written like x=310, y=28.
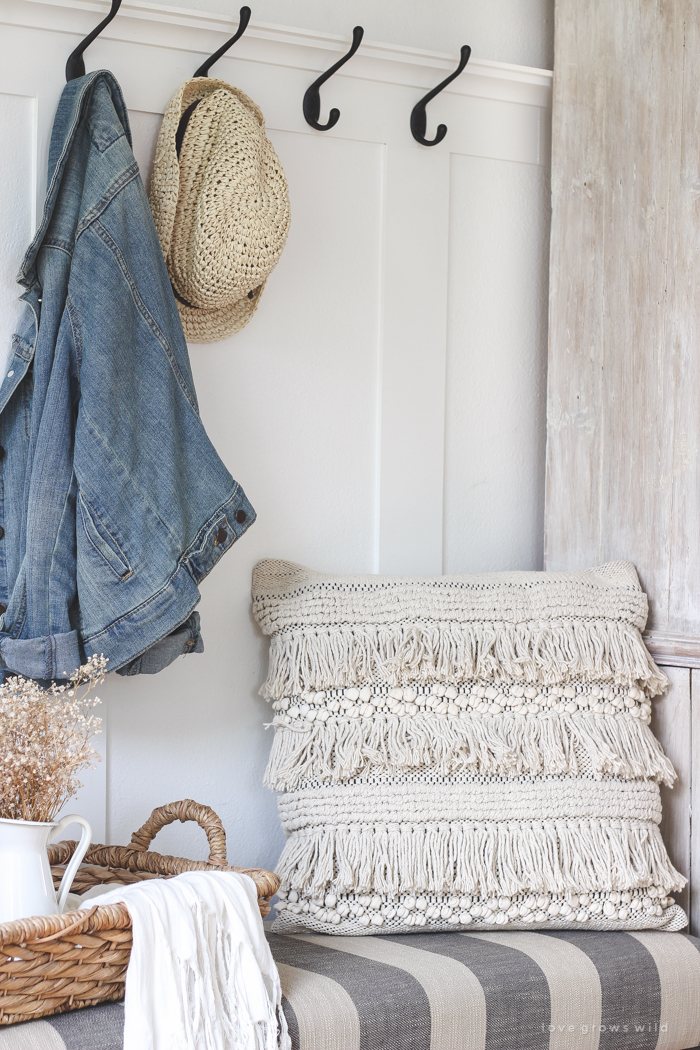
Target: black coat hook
x=312, y=99
x=75, y=66
x=418, y=118
x=244, y=19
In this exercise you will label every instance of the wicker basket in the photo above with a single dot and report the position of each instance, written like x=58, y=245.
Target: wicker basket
x=50, y=964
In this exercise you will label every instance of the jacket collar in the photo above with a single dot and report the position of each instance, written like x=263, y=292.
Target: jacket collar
x=75, y=100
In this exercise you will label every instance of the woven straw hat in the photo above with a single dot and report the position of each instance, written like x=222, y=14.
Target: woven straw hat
x=221, y=209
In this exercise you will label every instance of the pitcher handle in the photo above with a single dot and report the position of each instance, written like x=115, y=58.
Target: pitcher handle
x=80, y=851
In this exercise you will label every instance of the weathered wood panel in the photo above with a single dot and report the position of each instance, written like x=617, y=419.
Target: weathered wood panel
x=623, y=442
x=684, y=344
x=623, y=457
x=671, y=722
x=575, y=289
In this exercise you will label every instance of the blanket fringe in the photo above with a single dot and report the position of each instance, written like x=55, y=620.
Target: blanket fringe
x=505, y=745
x=546, y=653
x=483, y=858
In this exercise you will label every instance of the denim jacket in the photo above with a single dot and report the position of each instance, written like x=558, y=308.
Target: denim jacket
x=113, y=502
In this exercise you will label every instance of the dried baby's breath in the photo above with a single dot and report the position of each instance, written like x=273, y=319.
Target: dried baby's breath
x=45, y=739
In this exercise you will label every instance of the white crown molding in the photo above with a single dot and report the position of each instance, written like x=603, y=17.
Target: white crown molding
x=200, y=32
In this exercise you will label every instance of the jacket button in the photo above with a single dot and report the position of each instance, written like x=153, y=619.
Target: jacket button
x=241, y=516
x=3, y=608
x=2, y=532
x=221, y=537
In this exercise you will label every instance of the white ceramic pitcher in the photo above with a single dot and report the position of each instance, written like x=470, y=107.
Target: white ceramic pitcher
x=26, y=886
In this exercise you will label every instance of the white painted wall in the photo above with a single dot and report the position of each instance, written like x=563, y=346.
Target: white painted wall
x=17, y=217
x=496, y=367
x=384, y=408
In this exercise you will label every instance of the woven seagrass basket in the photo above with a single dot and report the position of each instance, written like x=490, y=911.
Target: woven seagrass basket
x=50, y=964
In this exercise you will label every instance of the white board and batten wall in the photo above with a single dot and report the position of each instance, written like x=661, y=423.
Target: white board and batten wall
x=384, y=410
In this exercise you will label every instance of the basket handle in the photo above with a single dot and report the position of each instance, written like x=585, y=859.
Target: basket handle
x=184, y=811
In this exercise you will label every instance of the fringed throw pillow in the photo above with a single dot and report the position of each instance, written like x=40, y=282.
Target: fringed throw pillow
x=465, y=751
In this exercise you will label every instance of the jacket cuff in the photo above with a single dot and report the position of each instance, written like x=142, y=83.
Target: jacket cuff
x=218, y=534
x=53, y=656
x=186, y=639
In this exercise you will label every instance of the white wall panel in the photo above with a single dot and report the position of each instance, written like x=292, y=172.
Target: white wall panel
x=17, y=179
x=496, y=366
x=413, y=366
x=144, y=133
x=291, y=404
x=403, y=265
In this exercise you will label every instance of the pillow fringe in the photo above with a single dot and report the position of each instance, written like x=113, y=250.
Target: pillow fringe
x=478, y=857
x=536, y=652
x=495, y=745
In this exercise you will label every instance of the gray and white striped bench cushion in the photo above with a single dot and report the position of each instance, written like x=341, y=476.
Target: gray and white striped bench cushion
x=451, y=991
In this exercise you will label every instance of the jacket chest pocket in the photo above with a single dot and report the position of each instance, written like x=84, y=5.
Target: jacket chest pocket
x=103, y=542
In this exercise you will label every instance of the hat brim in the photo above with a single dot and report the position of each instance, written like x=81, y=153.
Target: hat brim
x=208, y=326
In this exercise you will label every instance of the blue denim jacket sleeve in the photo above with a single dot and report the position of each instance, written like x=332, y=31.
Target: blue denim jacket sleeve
x=127, y=504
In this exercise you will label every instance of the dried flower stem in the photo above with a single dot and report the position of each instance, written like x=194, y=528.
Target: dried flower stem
x=45, y=736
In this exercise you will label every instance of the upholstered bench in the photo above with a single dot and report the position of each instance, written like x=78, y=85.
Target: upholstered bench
x=454, y=991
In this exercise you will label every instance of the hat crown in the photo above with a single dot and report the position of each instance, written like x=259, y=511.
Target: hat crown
x=222, y=210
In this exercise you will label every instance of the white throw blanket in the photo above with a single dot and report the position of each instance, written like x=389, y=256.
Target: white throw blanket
x=201, y=975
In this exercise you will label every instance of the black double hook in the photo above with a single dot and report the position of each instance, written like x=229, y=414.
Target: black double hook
x=244, y=19
x=75, y=66
x=419, y=119
x=312, y=99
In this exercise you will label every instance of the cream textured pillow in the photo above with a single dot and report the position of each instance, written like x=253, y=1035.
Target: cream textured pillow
x=465, y=751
